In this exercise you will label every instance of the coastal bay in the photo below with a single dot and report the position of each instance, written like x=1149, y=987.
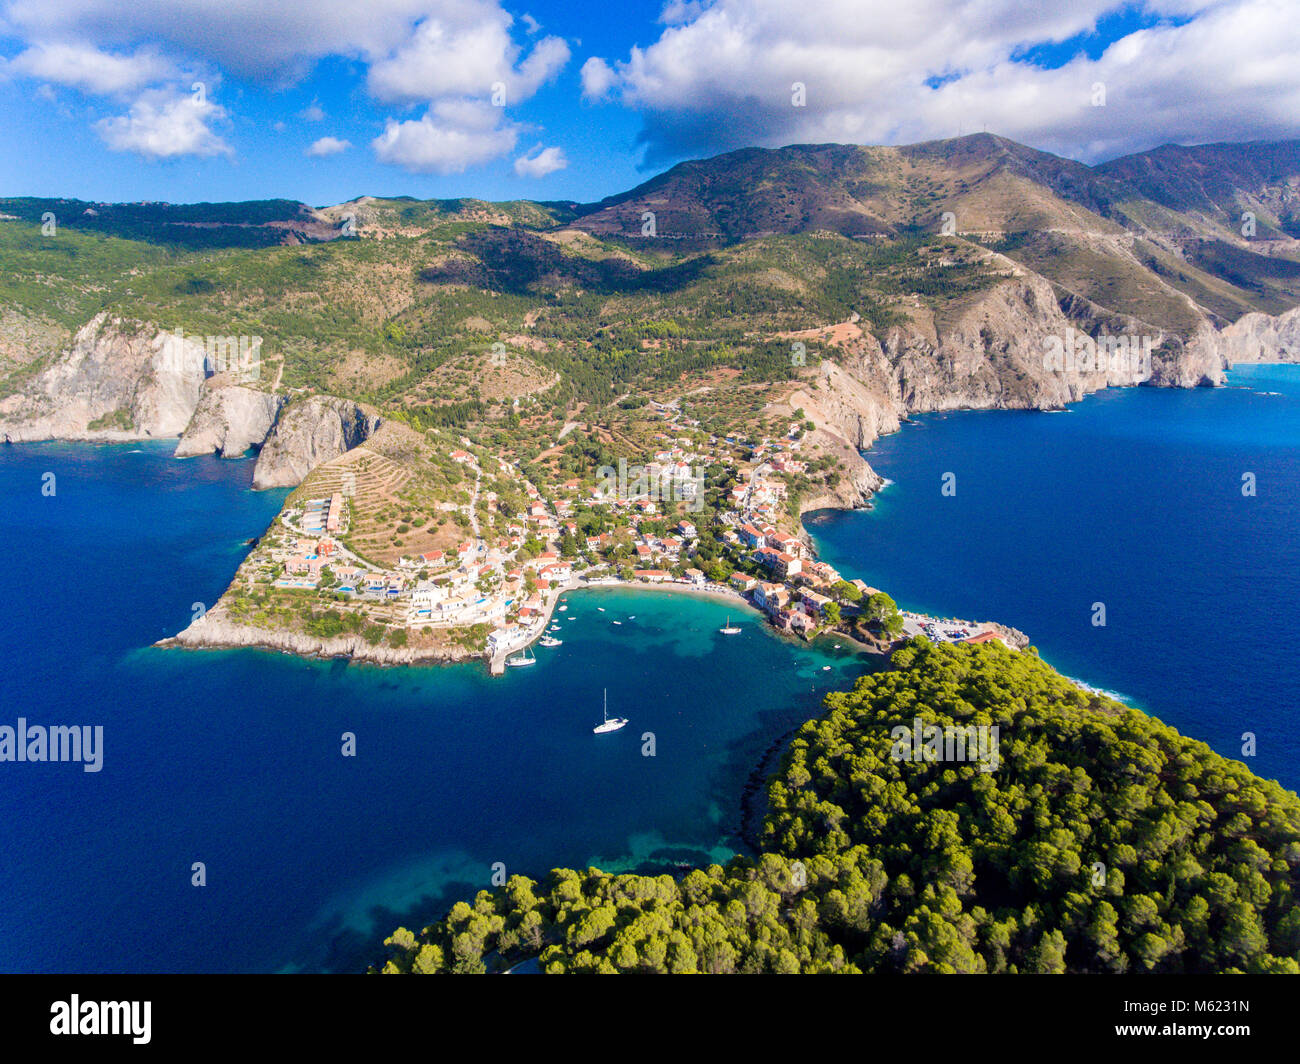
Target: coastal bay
x=233, y=757
x=1132, y=498
x=312, y=856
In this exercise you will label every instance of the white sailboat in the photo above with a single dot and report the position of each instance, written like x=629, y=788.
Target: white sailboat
x=609, y=725
x=730, y=628
x=527, y=658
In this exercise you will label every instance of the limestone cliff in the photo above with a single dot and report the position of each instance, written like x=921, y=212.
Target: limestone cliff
x=308, y=432
x=1252, y=338
x=229, y=420
x=118, y=381
x=121, y=380
x=991, y=352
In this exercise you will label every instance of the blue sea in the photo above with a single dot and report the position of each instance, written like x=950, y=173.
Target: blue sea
x=234, y=758
x=1132, y=498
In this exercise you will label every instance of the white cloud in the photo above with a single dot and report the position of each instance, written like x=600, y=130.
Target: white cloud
x=598, y=78
x=676, y=12
x=721, y=76
x=549, y=56
x=313, y=112
x=276, y=42
x=327, y=146
x=465, y=50
x=432, y=53
x=87, y=69
x=247, y=38
x=163, y=125
x=540, y=161
x=452, y=136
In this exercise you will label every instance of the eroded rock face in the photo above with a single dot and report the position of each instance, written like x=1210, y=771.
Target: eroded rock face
x=991, y=354
x=1253, y=338
x=308, y=432
x=118, y=381
x=229, y=420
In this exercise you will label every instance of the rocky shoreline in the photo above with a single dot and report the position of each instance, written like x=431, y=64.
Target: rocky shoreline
x=215, y=634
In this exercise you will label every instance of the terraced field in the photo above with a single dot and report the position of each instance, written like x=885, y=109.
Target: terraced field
x=408, y=501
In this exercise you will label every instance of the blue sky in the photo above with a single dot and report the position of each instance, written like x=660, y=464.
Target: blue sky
x=98, y=99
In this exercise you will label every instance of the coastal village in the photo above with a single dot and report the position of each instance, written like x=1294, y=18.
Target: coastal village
x=496, y=587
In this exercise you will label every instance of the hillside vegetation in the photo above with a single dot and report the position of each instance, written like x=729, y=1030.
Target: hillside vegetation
x=388, y=300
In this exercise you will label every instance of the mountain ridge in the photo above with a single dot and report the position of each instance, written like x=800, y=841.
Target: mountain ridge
x=959, y=260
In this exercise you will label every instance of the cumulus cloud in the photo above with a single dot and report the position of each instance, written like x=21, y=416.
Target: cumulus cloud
x=90, y=70
x=327, y=146
x=598, y=78
x=246, y=38
x=540, y=161
x=449, y=138
x=465, y=50
x=313, y=112
x=163, y=125
x=726, y=74
x=430, y=53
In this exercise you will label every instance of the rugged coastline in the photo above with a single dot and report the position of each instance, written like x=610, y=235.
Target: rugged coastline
x=122, y=381
x=215, y=634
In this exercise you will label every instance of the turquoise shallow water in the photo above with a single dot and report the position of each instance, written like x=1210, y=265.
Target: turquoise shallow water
x=233, y=757
x=1133, y=498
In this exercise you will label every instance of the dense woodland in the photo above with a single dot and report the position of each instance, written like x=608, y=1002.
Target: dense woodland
x=1103, y=842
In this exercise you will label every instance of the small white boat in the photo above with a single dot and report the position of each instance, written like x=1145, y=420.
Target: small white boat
x=609, y=725
x=601, y=608
x=616, y=622
x=729, y=628
x=550, y=641
x=826, y=668
x=837, y=646
x=563, y=608
x=527, y=658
